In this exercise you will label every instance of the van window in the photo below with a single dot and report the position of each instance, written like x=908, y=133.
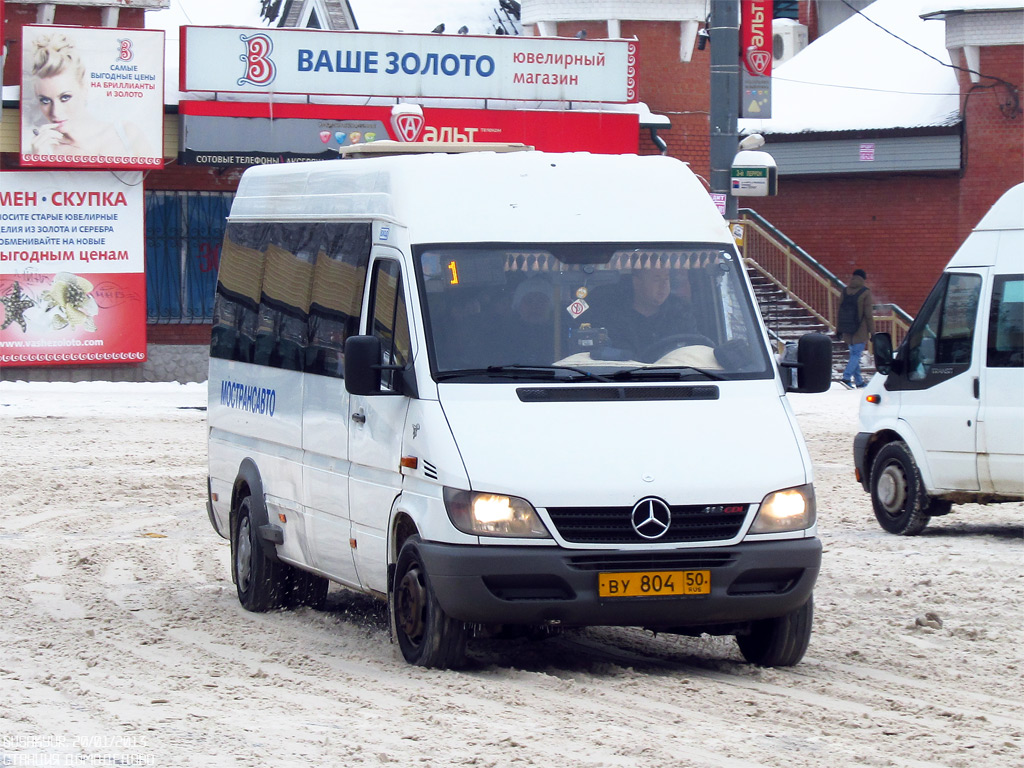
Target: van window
x=940, y=340
x=1006, y=323
x=288, y=295
x=602, y=306
x=390, y=318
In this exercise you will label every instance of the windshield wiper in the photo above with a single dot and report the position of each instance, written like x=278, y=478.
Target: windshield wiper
x=520, y=371
x=671, y=372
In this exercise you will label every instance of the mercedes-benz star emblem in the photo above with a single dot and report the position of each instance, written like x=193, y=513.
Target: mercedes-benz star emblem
x=651, y=517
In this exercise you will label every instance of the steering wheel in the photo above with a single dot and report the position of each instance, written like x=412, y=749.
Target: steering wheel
x=663, y=346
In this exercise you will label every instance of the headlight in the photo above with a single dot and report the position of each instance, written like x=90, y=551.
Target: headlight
x=491, y=514
x=789, y=510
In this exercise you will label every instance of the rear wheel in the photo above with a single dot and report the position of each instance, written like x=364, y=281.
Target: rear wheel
x=779, y=642
x=897, y=491
x=427, y=636
x=259, y=580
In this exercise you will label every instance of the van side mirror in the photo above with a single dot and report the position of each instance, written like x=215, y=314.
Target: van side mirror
x=813, y=364
x=881, y=343
x=362, y=365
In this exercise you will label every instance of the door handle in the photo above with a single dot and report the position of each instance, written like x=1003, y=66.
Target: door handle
x=359, y=417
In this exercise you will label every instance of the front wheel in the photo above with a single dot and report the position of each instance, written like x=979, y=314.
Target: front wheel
x=779, y=642
x=897, y=491
x=427, y=636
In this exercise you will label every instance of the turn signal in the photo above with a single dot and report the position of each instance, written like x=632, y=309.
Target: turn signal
x=876, y=399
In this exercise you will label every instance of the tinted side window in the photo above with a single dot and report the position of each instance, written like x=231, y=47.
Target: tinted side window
x=281, y=333
x=1006, y=323
x=390, y=320
x=339, y=274
x=940, y=341
x=288, y=295
x=237, y=299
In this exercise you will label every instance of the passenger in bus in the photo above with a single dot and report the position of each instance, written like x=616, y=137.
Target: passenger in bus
x=529, y=338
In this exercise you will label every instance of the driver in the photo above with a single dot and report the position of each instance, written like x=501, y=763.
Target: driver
x=649, y=313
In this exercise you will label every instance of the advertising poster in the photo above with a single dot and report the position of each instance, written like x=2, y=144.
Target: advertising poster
x=92, y=97
x=72, y=270
x=240, y=133
x=407, y=65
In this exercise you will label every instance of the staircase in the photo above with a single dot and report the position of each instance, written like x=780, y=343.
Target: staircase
x=798, y=295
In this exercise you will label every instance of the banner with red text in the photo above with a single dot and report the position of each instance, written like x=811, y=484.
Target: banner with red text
x=72, y=270
x=92, y=97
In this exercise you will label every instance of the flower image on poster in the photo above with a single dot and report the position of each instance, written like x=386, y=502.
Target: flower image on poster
x=92, y=97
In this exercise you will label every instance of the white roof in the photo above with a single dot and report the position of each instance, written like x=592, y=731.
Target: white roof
x=490, y=197
x=859, y=77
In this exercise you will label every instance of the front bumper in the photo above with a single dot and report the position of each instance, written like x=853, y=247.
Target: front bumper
x=537, y=585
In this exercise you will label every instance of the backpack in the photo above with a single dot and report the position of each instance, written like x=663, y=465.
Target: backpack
x=848, y=320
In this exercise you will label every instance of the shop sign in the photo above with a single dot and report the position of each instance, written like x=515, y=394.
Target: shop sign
x=72, y=270
x=92, y=97
x=756, y=36
x=233, y=133
x=227, y=59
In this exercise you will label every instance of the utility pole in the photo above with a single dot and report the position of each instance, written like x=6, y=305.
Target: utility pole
x=725, y=96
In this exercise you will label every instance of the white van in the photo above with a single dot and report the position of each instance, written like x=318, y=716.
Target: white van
x=944, y=422
x=507, y=392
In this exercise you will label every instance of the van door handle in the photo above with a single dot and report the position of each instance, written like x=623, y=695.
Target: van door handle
x=977, y=388
x=359, y=417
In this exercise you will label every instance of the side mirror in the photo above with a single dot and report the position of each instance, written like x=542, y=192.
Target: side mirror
x=813, y=364
x=362, y=365
x=882, y=345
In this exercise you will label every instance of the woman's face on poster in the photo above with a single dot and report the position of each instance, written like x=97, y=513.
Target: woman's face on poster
x=61, y=98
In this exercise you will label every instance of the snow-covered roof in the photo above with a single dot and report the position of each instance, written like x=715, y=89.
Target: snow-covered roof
x=860, y=77
x=933, y=7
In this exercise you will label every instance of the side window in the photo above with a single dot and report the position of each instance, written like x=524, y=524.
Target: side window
x=1006, y=323
x=390, y=319
x=339, y=275
x=940, y=340
x=281, y=333
x=237, y=299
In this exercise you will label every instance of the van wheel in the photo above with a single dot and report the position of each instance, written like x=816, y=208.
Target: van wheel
x=258, y=579
x=779, y=642
x=427, y=636
x=897, y=491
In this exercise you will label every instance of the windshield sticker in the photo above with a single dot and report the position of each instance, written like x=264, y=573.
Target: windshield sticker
x=577, y=308
x=581, y=292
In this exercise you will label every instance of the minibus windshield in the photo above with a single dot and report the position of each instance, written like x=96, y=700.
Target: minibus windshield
x=586, y=311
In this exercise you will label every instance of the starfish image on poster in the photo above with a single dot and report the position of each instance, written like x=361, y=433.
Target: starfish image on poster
x=15, y=303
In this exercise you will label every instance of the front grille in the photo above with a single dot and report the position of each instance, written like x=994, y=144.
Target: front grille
x=651, y=561
x=613, y=525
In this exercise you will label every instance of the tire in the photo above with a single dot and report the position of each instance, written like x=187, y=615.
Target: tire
x=305, y=588
x=427, y=636
x=897, y=491
x=258, y=579
x=779, y=642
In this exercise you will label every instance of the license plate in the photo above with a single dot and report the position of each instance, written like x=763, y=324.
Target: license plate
x=654, y=584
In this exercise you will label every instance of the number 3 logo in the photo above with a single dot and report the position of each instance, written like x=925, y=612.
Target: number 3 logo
x=125, y=53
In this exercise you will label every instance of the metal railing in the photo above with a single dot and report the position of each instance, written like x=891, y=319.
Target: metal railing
x=805, y=280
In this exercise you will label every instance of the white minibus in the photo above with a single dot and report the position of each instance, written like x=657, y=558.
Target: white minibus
x=943, y=423
x=507, y=392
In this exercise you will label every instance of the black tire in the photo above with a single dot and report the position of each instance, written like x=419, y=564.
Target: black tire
x=258, y=579
x=897, y=491
x=780, y=642
x=427, y=636
x=305, y=588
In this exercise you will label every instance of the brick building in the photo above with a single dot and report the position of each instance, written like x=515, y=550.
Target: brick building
x=900, y=219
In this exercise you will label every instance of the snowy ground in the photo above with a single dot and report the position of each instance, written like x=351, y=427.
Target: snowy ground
x=123, y=642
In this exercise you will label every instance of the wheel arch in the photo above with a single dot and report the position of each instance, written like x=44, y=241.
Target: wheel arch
x=249, y=482
x=884, y=437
